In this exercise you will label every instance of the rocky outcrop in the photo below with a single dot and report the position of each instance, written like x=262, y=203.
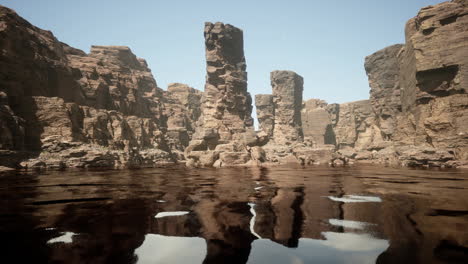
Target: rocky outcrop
x=383, y=71
x=287, y=87
x=417, y=112
x=356, y=126
x=265, y=113
x=281, y=122
x=65, y=108
x=61, y=107
x=434, y=96
x=183, y=109
x=224, y=132
x=318, y=120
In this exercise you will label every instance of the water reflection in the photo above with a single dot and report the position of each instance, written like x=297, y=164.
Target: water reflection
x=336, y=248
x=166, y=249
x=299, y=215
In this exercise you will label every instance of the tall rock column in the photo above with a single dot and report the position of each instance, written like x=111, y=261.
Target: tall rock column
x=225, y=128
x=382, y=69
x=287, y=89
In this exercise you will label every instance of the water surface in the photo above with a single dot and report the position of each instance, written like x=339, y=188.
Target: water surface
x=242, y=215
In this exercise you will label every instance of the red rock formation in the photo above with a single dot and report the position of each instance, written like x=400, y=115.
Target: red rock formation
x=225, y=129
x=72, y=109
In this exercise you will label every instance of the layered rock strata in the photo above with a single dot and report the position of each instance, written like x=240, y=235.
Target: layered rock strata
x=61, y=107
x=280, y=119
x=182, y=108
x=287, y=87
x=417, y=111
x=430, y=123
x=265, y=113
x=383, y=71
x=224, y=132
x=318, y=120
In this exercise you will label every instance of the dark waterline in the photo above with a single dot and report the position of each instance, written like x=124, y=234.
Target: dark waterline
x=240, y=215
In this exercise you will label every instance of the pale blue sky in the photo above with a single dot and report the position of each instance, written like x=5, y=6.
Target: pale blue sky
x=324, y=41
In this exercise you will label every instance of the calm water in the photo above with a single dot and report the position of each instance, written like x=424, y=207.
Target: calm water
x=277, y=215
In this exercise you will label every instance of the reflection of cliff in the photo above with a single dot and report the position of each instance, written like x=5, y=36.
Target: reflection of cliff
x=114, y=221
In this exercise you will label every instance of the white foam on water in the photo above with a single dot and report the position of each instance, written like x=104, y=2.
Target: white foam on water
x=66, y=237
x=252, y=220
x=167, y=214
x=356, y=199
x=160, y=201
x=348, y=223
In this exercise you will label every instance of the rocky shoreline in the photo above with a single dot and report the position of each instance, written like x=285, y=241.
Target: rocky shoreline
x=63, y=108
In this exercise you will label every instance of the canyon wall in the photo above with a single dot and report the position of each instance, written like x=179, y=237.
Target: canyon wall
x=61, y=107
x=417, y=114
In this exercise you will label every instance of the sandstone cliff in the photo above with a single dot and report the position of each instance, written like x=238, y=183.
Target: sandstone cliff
x=61, y=107
x=417, y=111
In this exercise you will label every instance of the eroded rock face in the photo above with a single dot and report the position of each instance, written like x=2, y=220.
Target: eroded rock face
x=182, y=108
x=61, y=107
x=383, y=71
x=356, y=126
x=287, y=87
x=318, y=122
x=67, y=108
x=434, y=96
x=265, y=113
x=226, y=120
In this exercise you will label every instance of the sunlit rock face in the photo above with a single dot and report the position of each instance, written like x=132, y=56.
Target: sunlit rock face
x=383, y=71
x=72, y=109
x=419, y=89
x=434, y=79
x=265, y=113
x=287, y=88
x=182, y=108
x=317, y=122
x=224, y=130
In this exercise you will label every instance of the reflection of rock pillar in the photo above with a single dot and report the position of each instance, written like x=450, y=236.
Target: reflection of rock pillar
x=287, y=209
x=226, y=228
x=287, y=89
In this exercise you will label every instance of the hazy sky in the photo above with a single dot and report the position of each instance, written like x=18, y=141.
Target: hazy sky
x=324, y=41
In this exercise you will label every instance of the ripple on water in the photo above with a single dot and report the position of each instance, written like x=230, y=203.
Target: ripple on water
x=356, y=199
x=168, y=214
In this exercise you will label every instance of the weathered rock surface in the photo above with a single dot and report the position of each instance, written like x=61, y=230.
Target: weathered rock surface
x=61, y=107
x=317, y=122
x=287, y=87
x=383, y=71
x=226, y=104
x=417, y=112
x=356, y=126
x=182, y=108
x=434, y=96
x=265, y=113
x=66, y=108
x=281, y=121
